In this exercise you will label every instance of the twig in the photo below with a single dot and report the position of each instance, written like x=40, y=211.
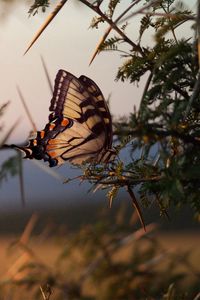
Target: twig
x=169, y=15
x=98, y=11
x=162, y=134
x=113, y=25
x=124, y=182
x=180, y=91
x=141, y=10
x=109, y=30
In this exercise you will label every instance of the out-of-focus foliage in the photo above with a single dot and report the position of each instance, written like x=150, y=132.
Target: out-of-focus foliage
x=43, y=4
x=101, y=261
x=10, y=167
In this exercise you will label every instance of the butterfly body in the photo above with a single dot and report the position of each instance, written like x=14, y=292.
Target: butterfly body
x=80, y=125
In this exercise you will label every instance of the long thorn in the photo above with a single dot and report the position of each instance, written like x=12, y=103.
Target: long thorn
x=46, y=23
x=136, y=205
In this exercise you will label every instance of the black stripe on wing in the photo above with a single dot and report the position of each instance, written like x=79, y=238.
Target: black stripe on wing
x=75, y=98
x=100, y=104
x=58, y=98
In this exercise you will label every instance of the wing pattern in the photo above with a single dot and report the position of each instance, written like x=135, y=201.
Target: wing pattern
x=80, y=125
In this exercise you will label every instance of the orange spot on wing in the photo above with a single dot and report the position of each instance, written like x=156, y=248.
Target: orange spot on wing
x=52, y=154
x=51, y=126
x=34, y=142
x=52, y=141
x=49, y=147
x=42, y=133
x=64, y=122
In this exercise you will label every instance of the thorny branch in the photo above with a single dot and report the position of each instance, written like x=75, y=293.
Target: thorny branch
x=157, y=133
x=114, y=26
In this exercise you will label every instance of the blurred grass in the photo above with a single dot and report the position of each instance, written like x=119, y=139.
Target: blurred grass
x=108, y=258
x=86, y=251
x=49, y=250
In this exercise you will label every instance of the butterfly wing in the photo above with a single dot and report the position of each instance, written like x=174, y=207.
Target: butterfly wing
x=79, y=127
x=101, y=106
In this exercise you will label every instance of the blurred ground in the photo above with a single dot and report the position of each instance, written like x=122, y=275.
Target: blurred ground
x=60, y=246
x=48, y=250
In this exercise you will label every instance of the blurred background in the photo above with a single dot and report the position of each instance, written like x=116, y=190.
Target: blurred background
x=54, y=208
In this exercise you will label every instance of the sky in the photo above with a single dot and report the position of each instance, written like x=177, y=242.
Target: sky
x=68, y=44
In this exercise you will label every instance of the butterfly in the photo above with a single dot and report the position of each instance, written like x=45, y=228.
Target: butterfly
x=79, y=128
